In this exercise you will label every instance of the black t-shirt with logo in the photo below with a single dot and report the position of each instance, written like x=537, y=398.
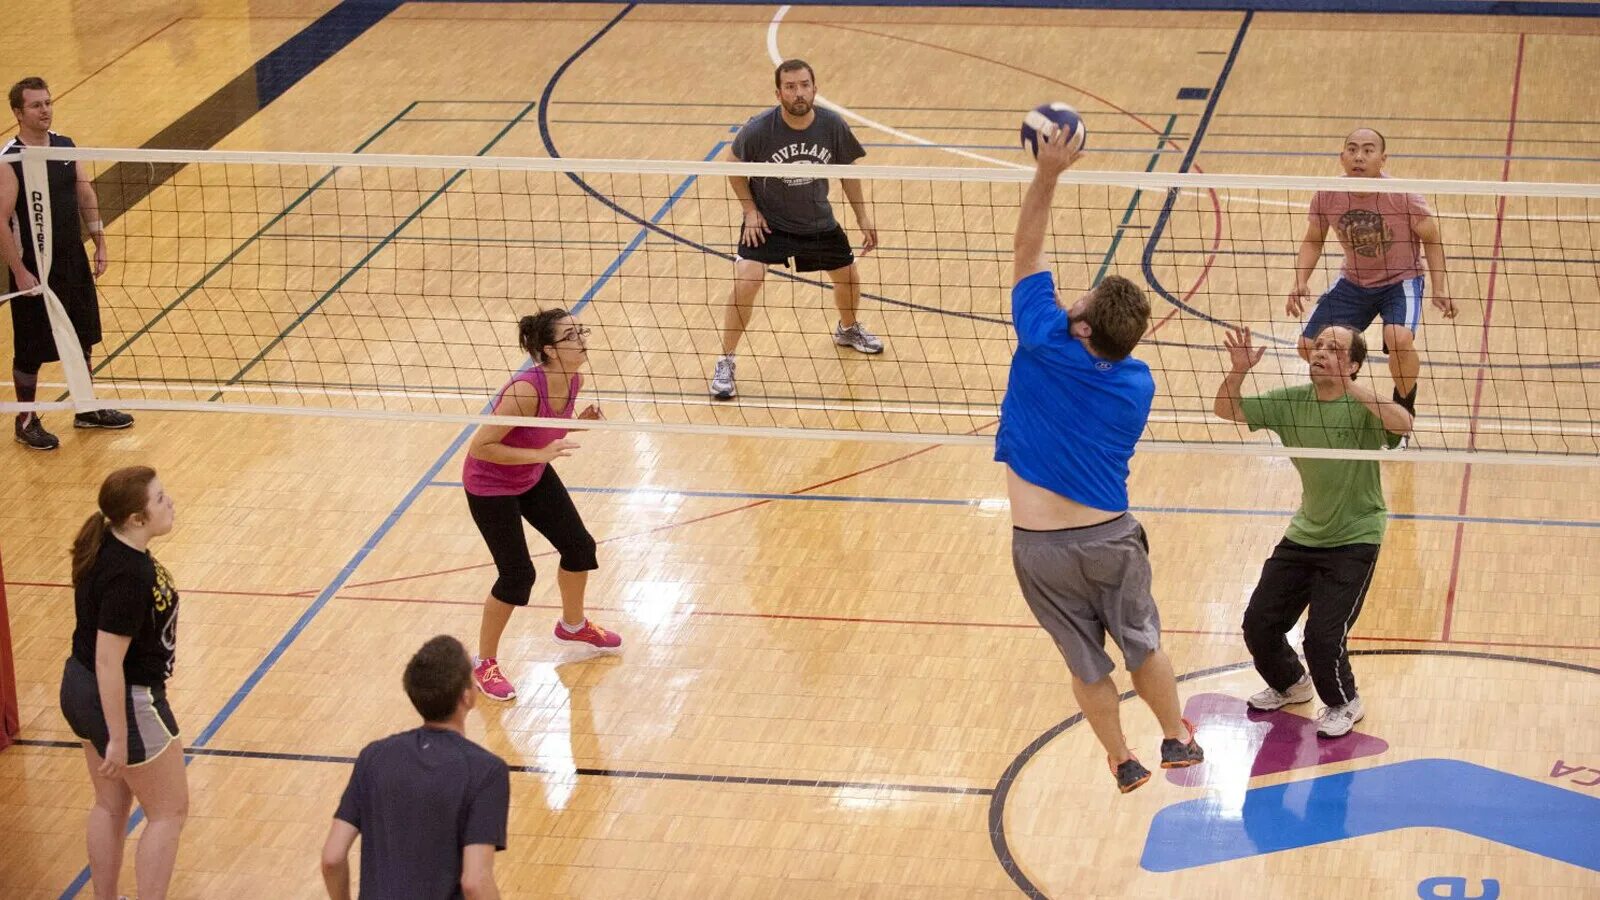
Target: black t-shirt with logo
x=418, y=798
x=797, y=205
x=127, y=592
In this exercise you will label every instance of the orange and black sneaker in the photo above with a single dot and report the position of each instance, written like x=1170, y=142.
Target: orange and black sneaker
x=1129, y=773
x=1176, y=754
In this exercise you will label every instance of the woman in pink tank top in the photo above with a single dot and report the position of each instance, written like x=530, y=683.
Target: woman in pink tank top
x=509, y=478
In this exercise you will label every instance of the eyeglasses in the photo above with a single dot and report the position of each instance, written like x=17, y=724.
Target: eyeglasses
x=580, y=332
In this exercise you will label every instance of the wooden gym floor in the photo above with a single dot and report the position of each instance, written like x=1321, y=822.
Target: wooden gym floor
x=831, y=686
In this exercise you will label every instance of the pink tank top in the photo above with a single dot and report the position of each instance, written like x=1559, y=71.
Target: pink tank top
x=488, y=479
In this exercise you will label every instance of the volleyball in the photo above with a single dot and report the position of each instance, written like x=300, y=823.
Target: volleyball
x=1045, y=119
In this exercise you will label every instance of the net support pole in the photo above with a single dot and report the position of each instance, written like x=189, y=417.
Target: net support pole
x=37, y=229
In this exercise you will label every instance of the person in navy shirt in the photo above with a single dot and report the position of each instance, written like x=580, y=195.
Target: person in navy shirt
x=1076, y=404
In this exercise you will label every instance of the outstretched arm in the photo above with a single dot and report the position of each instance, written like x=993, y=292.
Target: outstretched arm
x=1242, y=357
x=1027, y=247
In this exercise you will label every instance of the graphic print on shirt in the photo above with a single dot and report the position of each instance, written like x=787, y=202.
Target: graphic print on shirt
x=164, y=613
x=801, y=154
x=1365, y=233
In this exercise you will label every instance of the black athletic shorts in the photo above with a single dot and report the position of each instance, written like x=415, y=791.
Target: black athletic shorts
x=823, y=252
x=151, y=726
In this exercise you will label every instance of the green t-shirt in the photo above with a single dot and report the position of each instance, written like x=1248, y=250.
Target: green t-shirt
x=1341, y=500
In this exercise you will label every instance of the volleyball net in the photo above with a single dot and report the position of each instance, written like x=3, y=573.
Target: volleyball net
x=390, y=286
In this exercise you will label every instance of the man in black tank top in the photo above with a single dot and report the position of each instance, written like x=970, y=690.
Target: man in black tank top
x=71, y=277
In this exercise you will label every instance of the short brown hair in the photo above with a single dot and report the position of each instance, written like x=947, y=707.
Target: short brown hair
x=436, y=677
x=791, y=65
x=31, y=83
x=1118, y=316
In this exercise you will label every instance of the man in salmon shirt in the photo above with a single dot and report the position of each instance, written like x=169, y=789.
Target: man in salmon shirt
x=1384, y=236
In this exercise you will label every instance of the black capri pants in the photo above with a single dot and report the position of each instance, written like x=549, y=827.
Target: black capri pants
x=548, y=508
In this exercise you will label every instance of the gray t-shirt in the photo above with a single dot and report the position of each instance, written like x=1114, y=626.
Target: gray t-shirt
x=796, y=205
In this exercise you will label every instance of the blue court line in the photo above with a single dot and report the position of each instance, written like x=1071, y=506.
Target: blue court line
x=980, y=501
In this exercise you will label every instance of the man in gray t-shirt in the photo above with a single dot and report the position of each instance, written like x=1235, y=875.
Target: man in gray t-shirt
x=790, y=218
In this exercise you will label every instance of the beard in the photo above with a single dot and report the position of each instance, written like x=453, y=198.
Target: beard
x=797, y=108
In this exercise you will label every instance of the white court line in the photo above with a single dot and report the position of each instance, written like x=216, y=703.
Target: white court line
x=778, y=57
x=1426, y=424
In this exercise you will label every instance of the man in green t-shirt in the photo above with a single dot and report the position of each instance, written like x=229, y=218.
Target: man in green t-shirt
x=1325, y=561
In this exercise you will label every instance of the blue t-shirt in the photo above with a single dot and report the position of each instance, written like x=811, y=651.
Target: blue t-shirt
x=1070, y=419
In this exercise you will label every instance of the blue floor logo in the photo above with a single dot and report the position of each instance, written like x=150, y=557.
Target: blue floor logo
x=1424, y=793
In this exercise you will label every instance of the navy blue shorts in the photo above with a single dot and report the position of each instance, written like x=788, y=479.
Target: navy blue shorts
x=1348, y=304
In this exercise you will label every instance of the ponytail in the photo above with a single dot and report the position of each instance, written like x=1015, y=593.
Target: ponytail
x=86, y=546
x=538, y=331
x=123, y=493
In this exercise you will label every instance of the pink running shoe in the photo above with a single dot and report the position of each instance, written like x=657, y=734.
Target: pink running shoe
x=590, y=634
x=493, y=684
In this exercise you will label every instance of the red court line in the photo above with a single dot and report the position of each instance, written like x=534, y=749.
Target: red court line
x=678, y=524
x=800, y=617
x=1483, y=346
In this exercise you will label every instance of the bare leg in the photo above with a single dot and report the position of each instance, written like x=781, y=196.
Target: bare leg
x=108, y=826
x=747, y=278
x=846, y=293
x=1158, y=688
x=496, y=613
x=1404, y=363
x=572, y=585
x=162, y=787
x=1102, y=707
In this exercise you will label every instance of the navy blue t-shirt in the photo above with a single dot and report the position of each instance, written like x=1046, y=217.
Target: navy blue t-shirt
x=418, y=798
x=1070, y=419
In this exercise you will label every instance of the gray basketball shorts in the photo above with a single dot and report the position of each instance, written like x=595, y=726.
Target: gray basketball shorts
x=1085, y=583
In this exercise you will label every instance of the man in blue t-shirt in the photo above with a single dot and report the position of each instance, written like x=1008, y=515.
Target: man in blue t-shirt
x=430, y=805
x=1075, y=406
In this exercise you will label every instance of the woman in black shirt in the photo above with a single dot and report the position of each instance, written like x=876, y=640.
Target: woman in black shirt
x=113, y=690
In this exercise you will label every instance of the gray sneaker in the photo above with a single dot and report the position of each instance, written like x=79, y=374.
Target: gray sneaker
x=1269, y=699
x=1336, y=721
x=857, y=338
x=31, y=434
x=722, y=381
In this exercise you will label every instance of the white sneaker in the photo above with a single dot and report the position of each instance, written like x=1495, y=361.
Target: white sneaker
x=1336, y=721
x=1269, y=699
x=722, y=381
x=857, y=338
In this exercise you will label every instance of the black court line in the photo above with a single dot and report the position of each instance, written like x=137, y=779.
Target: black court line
x=1002, y=792
x=590, y=772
